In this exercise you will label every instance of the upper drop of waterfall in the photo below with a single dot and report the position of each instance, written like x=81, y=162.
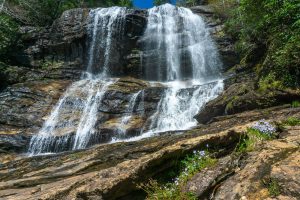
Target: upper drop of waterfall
x=177, y=46
x=105, y=28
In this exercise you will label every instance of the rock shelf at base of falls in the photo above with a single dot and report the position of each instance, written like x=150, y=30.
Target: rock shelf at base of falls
x=87, y=173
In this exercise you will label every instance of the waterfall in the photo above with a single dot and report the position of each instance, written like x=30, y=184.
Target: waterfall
x=89, y=117
x=83, y=97
x=107, y=25
x=133, y=103
x=177, y=52
x=188, y=64
x=177, y=46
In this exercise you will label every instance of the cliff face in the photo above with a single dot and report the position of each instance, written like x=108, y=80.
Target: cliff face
x=53, y=57
x=61, y=51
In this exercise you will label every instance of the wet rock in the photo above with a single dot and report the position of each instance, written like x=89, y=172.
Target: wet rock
x=61, y=50
x=107, y=171
x=13, y=143
x=122, y=113
x=23, y=109
x=243, y=96
x=24, y=105
x=202, y=9
x=63, y=42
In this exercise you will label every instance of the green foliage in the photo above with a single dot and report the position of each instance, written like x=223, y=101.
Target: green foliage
x=249, y=141
x=125, y=3
x=295, y=104
x=273, y=188
x=269, y=82
x=273, y=27
x=291, y=121
x=223, y=8
x=187, y=3
x=8, y=35
x=43, y=12
x=160, y=2
x=169, y=191
x=173, y=190
x=107, y=3
x=54, y=64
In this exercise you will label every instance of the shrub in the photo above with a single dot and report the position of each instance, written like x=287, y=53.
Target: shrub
x=291, y=121
x=272, y=28
x=172, y=190
x=295, y=104
x=39, y=12
x=223, y=8
x=160, y=2
x=273, y=188
x=270, y=82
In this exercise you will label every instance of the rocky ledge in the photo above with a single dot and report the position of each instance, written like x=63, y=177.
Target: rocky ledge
x=112, y=171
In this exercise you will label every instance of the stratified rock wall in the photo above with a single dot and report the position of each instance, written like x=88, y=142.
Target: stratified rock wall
x=63, y=47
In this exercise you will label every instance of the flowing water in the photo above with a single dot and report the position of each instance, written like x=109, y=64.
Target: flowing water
x=177, y=52
x=177, y=37
x=129, y=112
x=84, y=96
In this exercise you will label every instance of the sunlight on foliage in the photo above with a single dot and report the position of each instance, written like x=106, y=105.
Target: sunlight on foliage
x=273, y=28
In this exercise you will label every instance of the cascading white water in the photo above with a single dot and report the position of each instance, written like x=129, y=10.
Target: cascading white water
x=89, y=117
x=106, y=24
x=129, y=111
x=180, y=40
x=177, y=108
x=178, y=52
x=177, y=41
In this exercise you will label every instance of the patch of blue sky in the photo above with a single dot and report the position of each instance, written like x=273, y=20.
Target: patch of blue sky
x=144, y=4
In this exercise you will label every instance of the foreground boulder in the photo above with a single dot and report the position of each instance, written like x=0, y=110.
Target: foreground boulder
x=269, y=171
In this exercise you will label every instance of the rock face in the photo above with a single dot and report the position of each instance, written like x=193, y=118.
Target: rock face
x=112, y=171
x=255, y=172
x=24, y=108
x=61, y=51
x=242, y=96
x=249, y=176
x=24, y=105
